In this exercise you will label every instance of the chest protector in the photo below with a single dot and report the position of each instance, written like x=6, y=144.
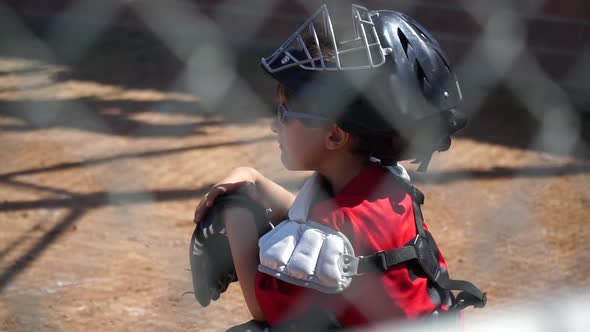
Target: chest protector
x=310, y=254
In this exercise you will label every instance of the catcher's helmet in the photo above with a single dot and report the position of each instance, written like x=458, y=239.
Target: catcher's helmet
x=393, y=65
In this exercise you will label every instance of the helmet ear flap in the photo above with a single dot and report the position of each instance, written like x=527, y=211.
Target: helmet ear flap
x=456, y=120
x=434, y=133
x=445, y=144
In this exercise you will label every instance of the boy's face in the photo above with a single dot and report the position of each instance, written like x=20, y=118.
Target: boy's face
x=302, y=145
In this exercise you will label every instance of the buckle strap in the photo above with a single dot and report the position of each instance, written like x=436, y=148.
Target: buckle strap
x=416, y=194
x=382, y=260
x=464, y=300
x=461, y=285
x=470, y=295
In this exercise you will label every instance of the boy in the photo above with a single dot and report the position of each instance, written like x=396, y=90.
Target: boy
x=351, y=247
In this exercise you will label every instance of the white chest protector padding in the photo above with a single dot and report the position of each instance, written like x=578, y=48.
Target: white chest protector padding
x=305, y=252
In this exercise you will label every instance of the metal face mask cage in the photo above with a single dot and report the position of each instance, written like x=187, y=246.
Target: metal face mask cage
x=365, y=45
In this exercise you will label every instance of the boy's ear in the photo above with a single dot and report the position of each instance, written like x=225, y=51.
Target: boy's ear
x=336, y=138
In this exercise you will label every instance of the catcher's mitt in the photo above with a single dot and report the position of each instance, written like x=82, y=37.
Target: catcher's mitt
x=211, y=260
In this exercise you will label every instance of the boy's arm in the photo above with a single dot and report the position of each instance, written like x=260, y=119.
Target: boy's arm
x=274, y=196
x=254, y=184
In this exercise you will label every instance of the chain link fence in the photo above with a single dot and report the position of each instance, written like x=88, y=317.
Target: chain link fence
x=156, y=79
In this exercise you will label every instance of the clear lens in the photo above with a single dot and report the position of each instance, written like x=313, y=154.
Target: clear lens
x=310, y=120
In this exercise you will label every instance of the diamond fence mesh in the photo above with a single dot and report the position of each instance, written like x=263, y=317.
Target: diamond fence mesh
x=116, y=116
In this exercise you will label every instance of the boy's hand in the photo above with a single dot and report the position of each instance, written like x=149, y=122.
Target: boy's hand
x=241, y=179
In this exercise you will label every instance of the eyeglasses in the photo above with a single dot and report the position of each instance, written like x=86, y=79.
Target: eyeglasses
x=283, y=113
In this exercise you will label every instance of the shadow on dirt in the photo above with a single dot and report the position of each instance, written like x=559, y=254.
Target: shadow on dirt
x=126, y=70
x=38, y=248
x=78, y=204
x=146, y=154
x=106, y=117
x=442, y=177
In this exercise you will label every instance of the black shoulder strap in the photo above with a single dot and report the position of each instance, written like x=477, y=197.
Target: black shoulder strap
x=423, y=250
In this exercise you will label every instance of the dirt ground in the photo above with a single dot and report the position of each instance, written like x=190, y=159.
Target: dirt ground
x=103, y=164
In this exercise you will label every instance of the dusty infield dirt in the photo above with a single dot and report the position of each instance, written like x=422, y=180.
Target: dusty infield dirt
x=99, y=178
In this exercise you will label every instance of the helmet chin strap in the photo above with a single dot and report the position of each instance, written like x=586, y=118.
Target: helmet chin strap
x=424, y=162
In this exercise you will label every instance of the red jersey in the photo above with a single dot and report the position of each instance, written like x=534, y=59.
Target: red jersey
x=375, y=213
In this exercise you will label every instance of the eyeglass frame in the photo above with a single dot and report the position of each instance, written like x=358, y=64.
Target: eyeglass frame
x=283, y=113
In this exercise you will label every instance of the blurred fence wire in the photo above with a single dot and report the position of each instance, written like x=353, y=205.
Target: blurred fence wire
x=201, y=58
